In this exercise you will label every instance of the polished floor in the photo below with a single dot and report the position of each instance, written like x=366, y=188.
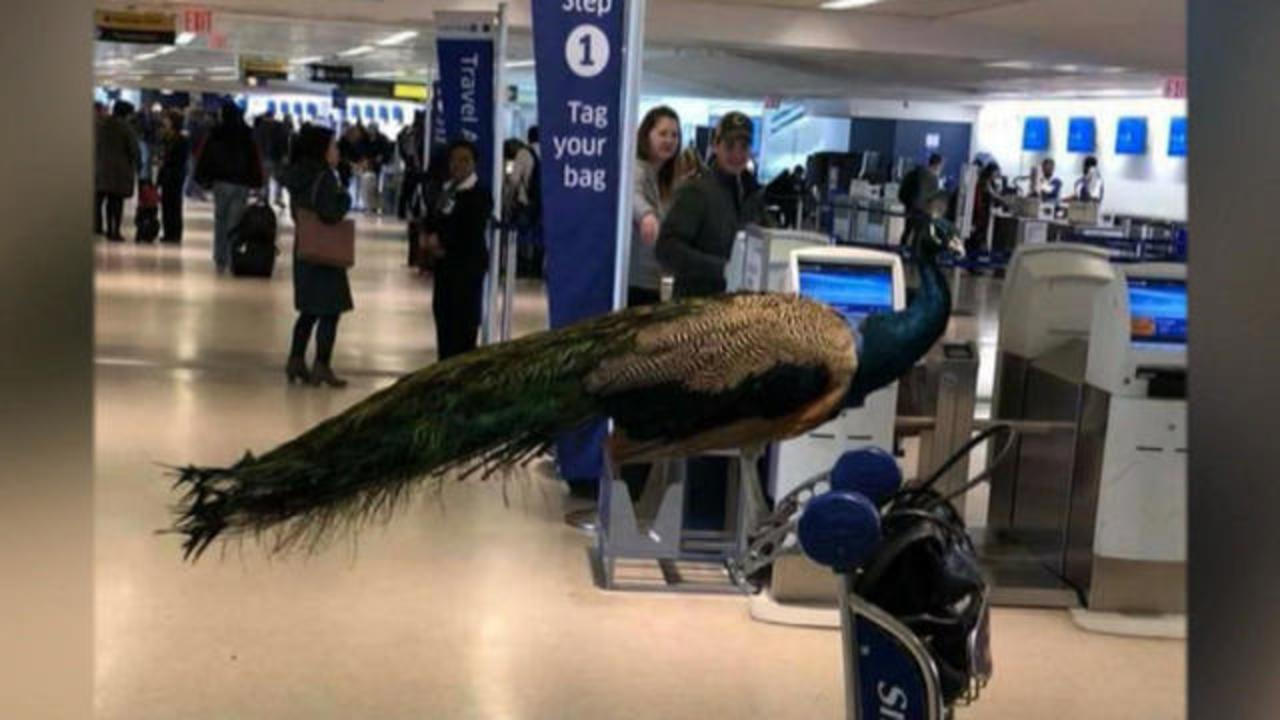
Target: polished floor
x=476, y=602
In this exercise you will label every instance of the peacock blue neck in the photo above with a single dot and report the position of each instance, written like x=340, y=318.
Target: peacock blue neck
x=893, y=343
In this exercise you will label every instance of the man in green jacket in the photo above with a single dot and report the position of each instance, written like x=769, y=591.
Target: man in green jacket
x=698, y=233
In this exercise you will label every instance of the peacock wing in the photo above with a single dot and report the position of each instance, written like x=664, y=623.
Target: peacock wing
x=745, y=369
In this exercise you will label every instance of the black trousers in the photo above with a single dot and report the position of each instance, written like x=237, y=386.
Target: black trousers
x=171, y=208
x=99, y=201
x=638, y=296
x=114, y=214
x=326, y=334
x=457, y=304
x=917, y=222
x=411, y=182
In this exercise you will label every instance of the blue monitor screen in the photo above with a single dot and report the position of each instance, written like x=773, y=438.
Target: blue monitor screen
x=856, y=291
x=1158, y=311
x=1178, y=137
x=1035, y=134
x=1131, y=136
x=1082, y=135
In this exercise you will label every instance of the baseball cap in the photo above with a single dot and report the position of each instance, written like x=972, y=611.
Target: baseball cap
x=734, y=125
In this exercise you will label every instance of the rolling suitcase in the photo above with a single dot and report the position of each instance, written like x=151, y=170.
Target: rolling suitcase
x=253, y=242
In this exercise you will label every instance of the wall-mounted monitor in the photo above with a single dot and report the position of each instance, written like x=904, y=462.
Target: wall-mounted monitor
x=312, y=109
x=1035, y=134
x=1131, y=136
x=1082, y=135
x=1178, y=137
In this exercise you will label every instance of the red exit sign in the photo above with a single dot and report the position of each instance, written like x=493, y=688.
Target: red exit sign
x=1175, y=87
x=197, y=20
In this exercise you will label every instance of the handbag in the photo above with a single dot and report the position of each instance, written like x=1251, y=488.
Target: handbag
x=320, y=243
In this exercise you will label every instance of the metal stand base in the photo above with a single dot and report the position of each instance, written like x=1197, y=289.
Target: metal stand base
x=764, y=608
x=1018, y=578
x=643, y=546
x=1171, y=627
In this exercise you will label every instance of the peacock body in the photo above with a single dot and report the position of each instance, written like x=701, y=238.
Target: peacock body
x=676, y=379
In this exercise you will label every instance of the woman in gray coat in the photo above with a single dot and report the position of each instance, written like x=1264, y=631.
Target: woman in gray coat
x=115, y=168
x=321, y=293
x=657, y=143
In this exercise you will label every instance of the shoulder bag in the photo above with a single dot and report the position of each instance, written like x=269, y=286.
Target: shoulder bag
x=320, y=243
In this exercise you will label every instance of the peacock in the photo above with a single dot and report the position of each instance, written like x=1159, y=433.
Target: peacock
x=676, y=379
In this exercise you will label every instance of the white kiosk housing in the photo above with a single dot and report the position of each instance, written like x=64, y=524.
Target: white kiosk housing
x=1046, y=320
x=857, y=282
x=1092, y=357
x=1131, y=459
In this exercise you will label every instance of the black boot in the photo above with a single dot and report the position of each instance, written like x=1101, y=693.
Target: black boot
x=296, y=371
x=323, y=375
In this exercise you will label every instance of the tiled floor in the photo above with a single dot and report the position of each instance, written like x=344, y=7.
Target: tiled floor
x=463, y=606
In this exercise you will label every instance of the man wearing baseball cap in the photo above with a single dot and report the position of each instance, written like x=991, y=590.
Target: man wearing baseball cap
x=707, y=213
x=694, y=245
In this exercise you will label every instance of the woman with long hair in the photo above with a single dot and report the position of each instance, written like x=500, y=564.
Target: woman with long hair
x=657, y=143
x=321, y=293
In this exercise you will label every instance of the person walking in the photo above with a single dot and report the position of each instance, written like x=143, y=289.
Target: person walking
x=657, y=143
x=453, y=240
x=173, y=175
x=917, y=193
x=321, y=293
x=229, y=163
x=116, y=159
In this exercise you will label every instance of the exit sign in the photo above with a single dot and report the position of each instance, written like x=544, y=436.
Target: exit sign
x=198, y=21
x=1175, y=87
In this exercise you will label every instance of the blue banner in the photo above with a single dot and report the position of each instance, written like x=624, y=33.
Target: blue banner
x=578, y=53
x=466, y=94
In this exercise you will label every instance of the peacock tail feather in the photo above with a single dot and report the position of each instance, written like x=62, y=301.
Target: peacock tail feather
x=478, y=412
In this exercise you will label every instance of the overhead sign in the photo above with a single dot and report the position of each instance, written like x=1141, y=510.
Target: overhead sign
x=1175, y=87
x=578, y=53
x=198, y=21
x=368, y=88
x=263, y=68
x=127, y=26
x=410, y=91
x=331, y=73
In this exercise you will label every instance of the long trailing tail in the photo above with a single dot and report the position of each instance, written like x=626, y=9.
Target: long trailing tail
x=475, y=413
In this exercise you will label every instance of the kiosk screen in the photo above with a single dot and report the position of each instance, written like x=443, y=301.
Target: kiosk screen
x=1158, y=311
x=856, y=291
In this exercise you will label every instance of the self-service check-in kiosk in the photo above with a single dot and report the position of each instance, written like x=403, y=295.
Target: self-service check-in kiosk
x=1092, y=362
x=1128, y=535
x=857, y=282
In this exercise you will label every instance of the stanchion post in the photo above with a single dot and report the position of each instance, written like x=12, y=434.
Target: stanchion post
x=496, y=236
x=633, y=63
